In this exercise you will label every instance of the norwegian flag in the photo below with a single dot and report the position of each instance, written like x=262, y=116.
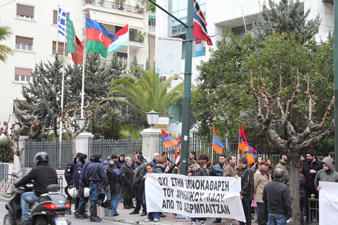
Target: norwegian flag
x=200, y=25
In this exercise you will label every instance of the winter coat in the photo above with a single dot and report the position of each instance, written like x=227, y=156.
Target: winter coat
x=218, y=169
x=95, y=173
x=260, y=180
x=284, y=167
x=139, y=174
x=159, y=168
x=127, y=175
x=229, y=170
x=199, y=172
x=310, y=177
x=276, y=195
x=302, y=181
x=247, y=183
x=329, y=175
x=114, y=179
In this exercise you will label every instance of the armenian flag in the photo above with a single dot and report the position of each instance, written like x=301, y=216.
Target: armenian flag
x=250, y=153
x=167, y=140
x=217, y=144
x=178, y=146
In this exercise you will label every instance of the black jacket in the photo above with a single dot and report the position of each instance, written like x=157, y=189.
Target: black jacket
x=310, y=177
x=159, y=168
x=277, y=196
x=139, y=174
x=42, y=175
x=247, y=183
x=199, y=172
x=127, y=191
x=114, y=179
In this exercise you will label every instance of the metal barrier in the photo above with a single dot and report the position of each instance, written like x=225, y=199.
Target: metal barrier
x=313, y=205
x=6, y=183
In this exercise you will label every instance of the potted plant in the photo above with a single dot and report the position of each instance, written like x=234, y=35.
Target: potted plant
x=89, y=1
x=121, y=4
x=140, y=36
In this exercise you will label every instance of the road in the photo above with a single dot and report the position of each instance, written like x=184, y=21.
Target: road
x=69, y=217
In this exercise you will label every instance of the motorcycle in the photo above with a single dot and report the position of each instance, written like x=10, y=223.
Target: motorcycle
x=50, y=209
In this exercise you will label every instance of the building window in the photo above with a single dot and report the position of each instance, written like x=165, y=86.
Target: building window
x=152, y=24
x=122, y=57
x=61, y=46
x=25, y=11
x=240, y=31
x=24, y=43
x=22, y=75
x=55, y=16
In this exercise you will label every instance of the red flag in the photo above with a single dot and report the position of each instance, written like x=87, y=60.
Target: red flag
x=200, y=25
x=78, y=57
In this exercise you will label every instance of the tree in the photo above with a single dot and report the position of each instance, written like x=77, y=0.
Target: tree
x=42, y=95
x=13, y=137
x=145, y=93
x=285, y=17
x=274, y=86
x=4, y=50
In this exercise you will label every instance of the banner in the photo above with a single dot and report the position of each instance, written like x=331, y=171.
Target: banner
x=195, y=197
x=328, y=203
x=168, y=55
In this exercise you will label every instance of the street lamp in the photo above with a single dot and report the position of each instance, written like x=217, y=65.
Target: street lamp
x=152, y=118
x=81, y=122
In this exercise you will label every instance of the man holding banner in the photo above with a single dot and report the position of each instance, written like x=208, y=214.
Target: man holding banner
x=247, y=189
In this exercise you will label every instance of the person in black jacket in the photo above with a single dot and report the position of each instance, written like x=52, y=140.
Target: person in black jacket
x=114, y=180
x=127, y=191
x=247, y=184
x=310, y=169
x=276, y=195
x=76, y=176
x=42, y=175
x=139, y=186
x=95, y=175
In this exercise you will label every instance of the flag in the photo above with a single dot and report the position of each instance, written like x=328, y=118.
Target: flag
x=178, y=146
x=78, y=56
x=198, y=48
x=200, y=25
x=250, y=153
x=61, y=22
x=167, y=140
x=71, y=42
x=122, y=39
x=217, y=144
x=98, y=38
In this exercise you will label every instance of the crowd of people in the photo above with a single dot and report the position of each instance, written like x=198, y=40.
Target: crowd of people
x=265, y=193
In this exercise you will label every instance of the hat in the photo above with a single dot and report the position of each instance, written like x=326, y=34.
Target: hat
x=265, y=163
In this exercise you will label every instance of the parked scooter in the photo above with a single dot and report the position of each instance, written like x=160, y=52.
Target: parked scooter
x=48, y=210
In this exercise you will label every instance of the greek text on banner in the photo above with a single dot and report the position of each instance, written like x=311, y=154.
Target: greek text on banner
x=196, y=197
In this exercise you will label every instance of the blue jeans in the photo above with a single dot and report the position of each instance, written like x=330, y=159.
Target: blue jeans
x=275, y=219
x=153, y=215
x=26, y=199
x=114, y=203
x=94, y=196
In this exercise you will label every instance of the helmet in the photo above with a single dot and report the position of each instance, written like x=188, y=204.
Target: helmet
x=102, y=197
x=86, y=192
x=72, y=192
x=41, y=157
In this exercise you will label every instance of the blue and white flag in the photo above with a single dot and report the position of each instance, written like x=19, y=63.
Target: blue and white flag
x=62, y=22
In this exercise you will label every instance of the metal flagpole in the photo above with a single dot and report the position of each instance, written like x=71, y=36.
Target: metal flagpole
x=83, y=69
x=336, y=81
x=243, y=17
x=128, y=57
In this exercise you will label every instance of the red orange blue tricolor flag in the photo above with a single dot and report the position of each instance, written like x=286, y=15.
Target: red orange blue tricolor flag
x=250, y=153
x=217, y=144
x=167, y=140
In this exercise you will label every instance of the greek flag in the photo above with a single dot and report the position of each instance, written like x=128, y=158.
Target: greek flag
x=62, y=22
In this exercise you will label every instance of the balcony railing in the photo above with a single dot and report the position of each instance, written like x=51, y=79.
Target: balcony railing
x=115, y=5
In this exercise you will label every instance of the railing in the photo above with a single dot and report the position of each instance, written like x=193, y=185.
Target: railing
x=6, y=182
x=116, y=5
x=313, y=205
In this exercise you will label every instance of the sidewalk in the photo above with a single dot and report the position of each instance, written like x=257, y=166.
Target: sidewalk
x=124, y=217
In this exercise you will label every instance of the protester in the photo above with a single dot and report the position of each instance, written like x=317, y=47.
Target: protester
x=329, y=174
x=302, y=196
x=247, y=189
x=120, y=161
x=283, y=165
x=203, y=162
x=194, y=171
x=127, y=191
x=156, y=158
x=261, y=178
x=114, y=180
x=192, y=156
x=218, y=171
x=271, y=166
x=332, y=156
x=139, y=186
x=161, y=165
x=276, y=195
x=257, y=165
x=152, y=216
x=134, y=164
x=310, y=169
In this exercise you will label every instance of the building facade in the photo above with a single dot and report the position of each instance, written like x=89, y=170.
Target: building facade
x=34, y=37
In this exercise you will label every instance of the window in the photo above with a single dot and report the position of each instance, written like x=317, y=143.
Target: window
x=22, y=75
x=240, y=31
x=61, y=46
x=152, y=24
x=55, y=16
x=24, y=43
x=122, y=57
x=25, y=11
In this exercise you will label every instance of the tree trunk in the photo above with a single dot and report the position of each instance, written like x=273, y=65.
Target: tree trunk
x=294, y=188
x=22, y=160
x=73, y=146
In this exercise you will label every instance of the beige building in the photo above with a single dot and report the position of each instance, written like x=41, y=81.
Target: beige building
x=34, y=27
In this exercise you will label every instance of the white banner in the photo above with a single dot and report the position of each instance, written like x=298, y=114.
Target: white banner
x=328, y=203
x=195, y=197
x=168, y=55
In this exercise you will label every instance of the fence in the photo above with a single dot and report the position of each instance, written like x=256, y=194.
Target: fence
x=52, y=148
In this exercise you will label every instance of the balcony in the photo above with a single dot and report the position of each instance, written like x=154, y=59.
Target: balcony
x=116, y=5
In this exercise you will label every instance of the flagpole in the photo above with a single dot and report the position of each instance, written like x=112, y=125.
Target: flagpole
x=83, y=69
x=243, y=17
x=57, y=31
x=128, y=57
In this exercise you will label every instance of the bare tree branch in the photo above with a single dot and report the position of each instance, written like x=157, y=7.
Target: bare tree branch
x=260, y=115
x=306, y=144
x=292, y=99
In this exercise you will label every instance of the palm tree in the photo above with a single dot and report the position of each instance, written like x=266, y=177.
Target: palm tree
x=4, y=50
x=146, y=92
